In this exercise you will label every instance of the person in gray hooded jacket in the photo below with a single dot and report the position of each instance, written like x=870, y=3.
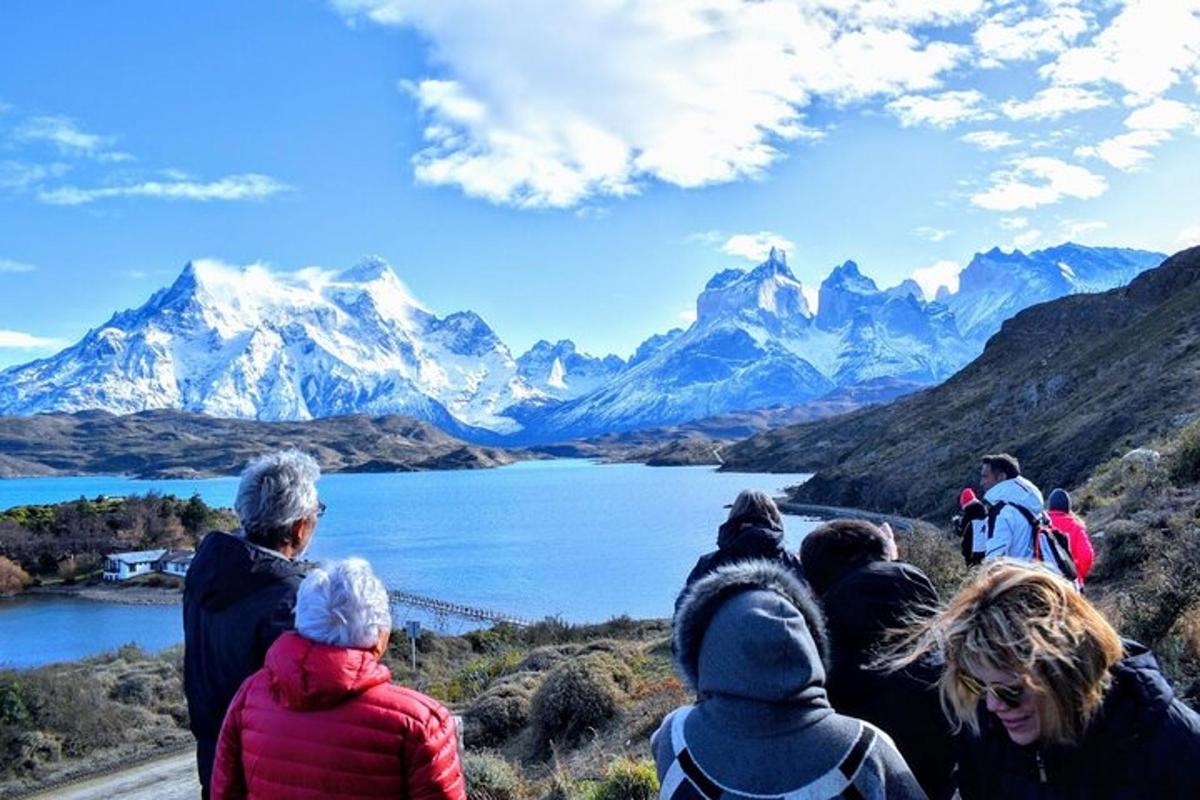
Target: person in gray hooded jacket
x=749, y=638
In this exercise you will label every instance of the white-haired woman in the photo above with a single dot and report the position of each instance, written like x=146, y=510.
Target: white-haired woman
x=322, y=719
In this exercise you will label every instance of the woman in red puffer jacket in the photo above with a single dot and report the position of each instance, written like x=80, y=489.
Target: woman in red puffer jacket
x=322, y=720
x=1063, y=519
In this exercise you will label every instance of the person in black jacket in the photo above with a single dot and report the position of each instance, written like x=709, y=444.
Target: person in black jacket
x=754, y=530
x=866, y=593
x=1053, y=703
x=240, y=590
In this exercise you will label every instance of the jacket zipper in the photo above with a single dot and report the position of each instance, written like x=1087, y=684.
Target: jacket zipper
x=1041, y=765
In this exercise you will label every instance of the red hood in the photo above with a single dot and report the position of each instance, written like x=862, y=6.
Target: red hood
x=307, y=675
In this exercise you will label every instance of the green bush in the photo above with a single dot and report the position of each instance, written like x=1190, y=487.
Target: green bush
x=628, y=780
x=577, y=697
x=490, y=777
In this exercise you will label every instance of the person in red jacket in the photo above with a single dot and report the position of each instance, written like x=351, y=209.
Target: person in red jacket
x=321, y=719
x=1075, y=528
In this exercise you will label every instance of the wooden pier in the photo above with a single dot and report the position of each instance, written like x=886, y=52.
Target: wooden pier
x=444, y=607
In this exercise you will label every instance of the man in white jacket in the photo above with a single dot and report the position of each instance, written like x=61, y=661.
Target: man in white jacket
x=1007, y=531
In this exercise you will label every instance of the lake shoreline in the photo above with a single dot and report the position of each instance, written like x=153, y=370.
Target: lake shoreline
x=123, y=595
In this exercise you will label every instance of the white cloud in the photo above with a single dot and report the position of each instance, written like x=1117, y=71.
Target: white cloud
x=1054, y=102
x=932, y=234
x=68, y=138
x=23, y=174
x=1189, y=237
x=990, y=140
x=1027, y=240
x=687, y=315
x=1014, y=223
x=755, y=246
x=1164, y=115
x=1073, y=230
x=1146, y=49
x=1126, y=151
x=566, y=101
x=18, y=340
x=931, y=278
x=1011, y=36
x=11, y=266
x=249, y=186
x=1037, y=181
x=941, y=110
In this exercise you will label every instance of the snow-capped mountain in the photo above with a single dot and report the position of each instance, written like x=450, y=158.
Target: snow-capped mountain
x=561, y=372
x=249, y=343
x=996, y=285
x=757, y=343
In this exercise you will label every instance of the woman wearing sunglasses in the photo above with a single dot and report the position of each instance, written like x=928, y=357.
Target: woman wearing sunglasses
x=1053, y=703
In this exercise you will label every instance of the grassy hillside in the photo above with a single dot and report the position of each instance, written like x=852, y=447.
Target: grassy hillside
x=1064, y=386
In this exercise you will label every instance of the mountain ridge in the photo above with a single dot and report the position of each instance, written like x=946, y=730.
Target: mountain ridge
x=1064, y=386
x=254, y=344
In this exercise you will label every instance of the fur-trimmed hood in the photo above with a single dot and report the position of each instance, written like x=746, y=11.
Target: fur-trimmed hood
x=752, y=630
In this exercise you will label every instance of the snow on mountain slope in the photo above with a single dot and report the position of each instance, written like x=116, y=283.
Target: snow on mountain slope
x=561, y=372
x=251, y=343
x=996, y=285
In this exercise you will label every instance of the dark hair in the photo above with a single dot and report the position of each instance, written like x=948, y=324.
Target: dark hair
x=1003, y=462
x=837, y=547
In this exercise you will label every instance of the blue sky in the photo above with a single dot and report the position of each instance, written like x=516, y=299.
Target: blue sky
x=576, y=169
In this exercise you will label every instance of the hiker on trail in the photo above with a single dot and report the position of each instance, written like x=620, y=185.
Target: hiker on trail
x=971, y=525
x=1063, y=519
x=865, y=593
x=750, y=640
x=754, y=529
x=322, y=719
x=1054, y=704
x=1014, y=505
x=241, y=587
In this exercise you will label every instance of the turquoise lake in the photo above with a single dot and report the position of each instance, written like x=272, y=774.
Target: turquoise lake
x=576, y=539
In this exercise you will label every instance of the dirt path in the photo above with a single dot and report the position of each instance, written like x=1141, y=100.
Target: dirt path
x=170, y=778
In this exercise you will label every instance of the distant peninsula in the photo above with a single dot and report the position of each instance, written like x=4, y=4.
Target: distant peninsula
x=175, y=444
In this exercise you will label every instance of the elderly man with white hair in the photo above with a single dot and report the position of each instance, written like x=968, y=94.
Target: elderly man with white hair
x=241, y=589
x=323, y=720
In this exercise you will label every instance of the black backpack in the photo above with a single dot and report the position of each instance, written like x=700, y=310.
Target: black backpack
x=1059, y=544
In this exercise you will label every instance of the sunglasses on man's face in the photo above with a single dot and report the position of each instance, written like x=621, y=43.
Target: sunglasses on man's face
x=1011, y=696
x=321, y=509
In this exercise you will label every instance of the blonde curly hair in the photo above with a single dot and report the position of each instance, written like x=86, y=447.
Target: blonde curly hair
x=1020, y=618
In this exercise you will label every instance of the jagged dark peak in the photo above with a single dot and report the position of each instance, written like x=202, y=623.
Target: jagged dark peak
x=776, y=264
x=907, y=288
x=724, y=278
x=848, y=276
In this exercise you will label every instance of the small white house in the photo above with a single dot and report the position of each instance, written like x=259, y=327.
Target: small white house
x=123, y=566
x=175, y=562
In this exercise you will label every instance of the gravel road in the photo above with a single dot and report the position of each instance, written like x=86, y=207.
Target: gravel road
x=170, y=778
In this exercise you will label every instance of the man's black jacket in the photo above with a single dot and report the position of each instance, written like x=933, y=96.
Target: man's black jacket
x=237, y=599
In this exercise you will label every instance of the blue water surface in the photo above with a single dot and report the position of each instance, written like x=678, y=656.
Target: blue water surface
x=577, y=539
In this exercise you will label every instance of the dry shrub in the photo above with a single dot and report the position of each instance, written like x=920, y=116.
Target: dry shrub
x=12, y=578
x=1184, y=464
x=935, y=553
x=626, y=779
x=500, y=712
x=490, y=777
x=577, y=697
